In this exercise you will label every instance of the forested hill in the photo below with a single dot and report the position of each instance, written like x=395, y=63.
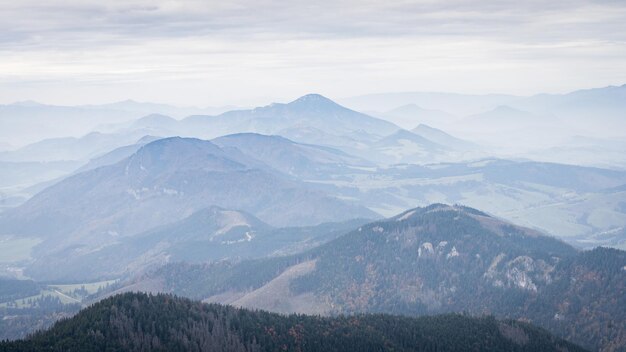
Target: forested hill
x=432, y=260
x=141, y=322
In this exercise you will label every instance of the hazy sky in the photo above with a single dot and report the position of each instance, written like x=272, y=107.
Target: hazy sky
x=247, y=52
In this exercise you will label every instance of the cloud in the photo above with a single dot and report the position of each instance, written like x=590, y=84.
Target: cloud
x=154, y=19
x=342, y=47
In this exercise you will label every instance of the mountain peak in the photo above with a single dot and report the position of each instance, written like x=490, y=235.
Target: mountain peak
x=438, y=207
x=312, y=97
x=311, y=100
x=179, y=152
x=424, y=127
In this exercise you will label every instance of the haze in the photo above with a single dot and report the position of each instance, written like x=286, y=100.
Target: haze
x=254, y=53
x=402, y=175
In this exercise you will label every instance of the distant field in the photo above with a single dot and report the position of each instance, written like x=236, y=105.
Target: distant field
x=14, y=249
x=562, y=212
x=23, y=302
x=63, y=292
x=91, y=287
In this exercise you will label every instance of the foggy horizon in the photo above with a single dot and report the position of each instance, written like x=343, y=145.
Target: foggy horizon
x=258, y=102
x=69, y=52
x=314, y=176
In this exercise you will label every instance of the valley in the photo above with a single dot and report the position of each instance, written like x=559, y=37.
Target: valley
x=229, y=176
x=290, y=208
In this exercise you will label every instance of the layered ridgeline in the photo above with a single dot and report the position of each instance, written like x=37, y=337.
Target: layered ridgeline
x=575, y=203
x=430, y=260
x=209, y=234
x=304, y=161
x=552, y=200
x=313, y=118
x=165, y=181
x=140, y=322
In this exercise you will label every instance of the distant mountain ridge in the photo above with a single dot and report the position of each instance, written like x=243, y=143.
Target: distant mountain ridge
x=409, y=115
x=269, y=211
x=208, y=235
x=170, y=155
x=404, y=146
x=600, y=101
x=440, y=137
x=309, y=111
x=452, y=103
x=164, y=181
x=291, y=158
x=70, y=148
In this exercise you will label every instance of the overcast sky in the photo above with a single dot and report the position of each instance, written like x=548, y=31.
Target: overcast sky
x=249, y=52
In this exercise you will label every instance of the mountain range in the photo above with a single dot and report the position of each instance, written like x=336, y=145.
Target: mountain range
x=312, y=110
x=137, y=188
x=442, y=138
x=430, y=260
x=571, y=202
x=608, y=101
x=316, y=120
x=162, y=182
x=55, y=121
x=70, y=148
x=407, y=116
x=279, y=208
x=304, y=161
x=208, y=235
x=509, y=125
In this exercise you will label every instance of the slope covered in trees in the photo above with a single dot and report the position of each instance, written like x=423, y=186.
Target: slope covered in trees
x=140, y=322
x=432, y=260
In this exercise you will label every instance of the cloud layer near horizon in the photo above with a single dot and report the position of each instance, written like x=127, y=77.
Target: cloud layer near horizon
x=242, y=52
